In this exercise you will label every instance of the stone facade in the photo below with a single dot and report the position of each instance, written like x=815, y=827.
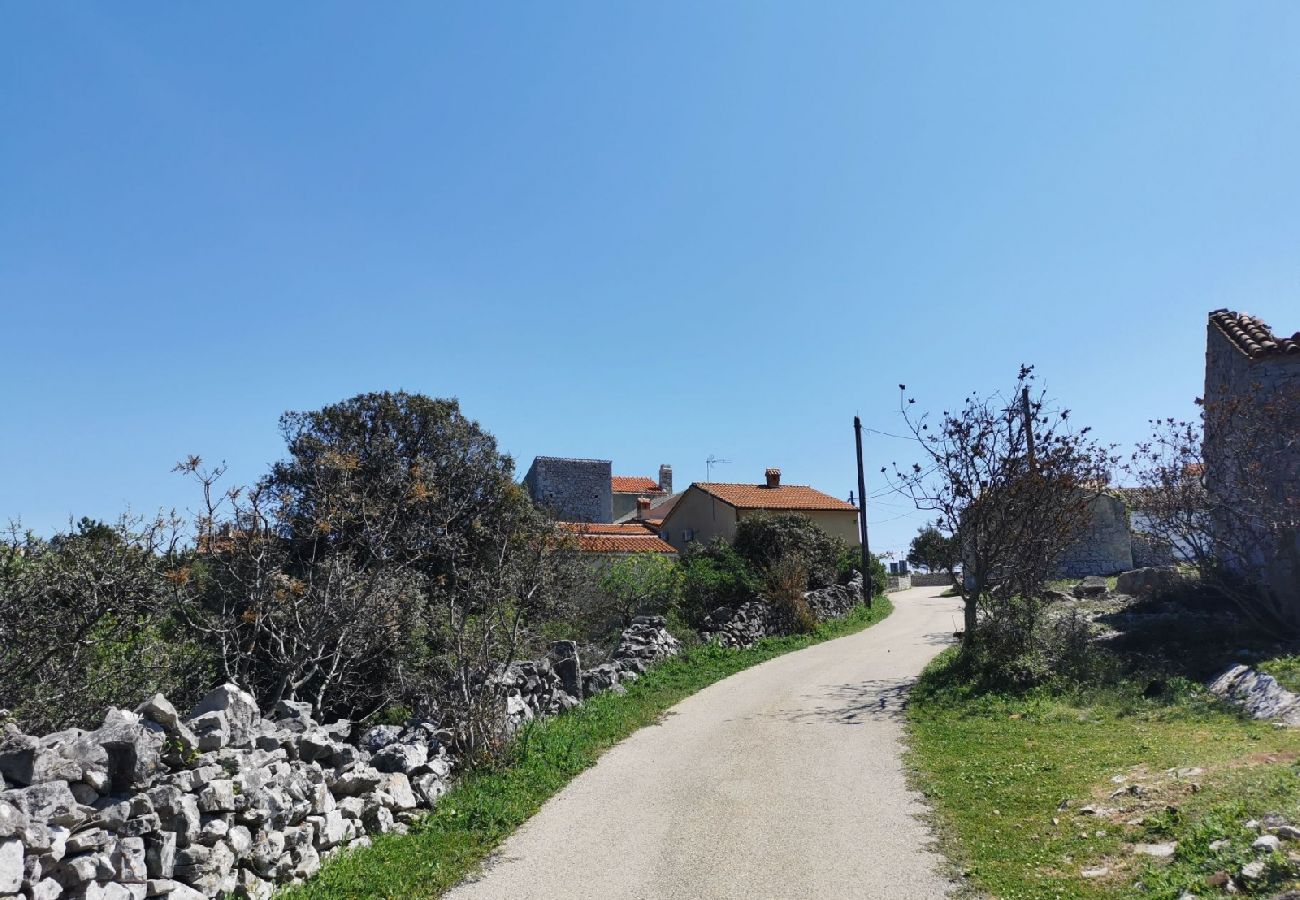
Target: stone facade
x=574, y=490
x=1247, y=369
x=1105, y=547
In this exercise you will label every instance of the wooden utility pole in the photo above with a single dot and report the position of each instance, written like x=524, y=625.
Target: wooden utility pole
x=862, y=516
x=1029, y=424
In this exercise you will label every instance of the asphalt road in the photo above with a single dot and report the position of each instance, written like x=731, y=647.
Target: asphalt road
x=783, y=781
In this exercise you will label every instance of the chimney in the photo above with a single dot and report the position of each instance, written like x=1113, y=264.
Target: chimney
x=773, y=478
x=642, y=508
x=666, y=478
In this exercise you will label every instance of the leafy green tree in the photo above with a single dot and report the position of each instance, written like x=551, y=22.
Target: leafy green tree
x=851, y=562
x=933, y=550
x=389, y=554
x=766, y=541
x=640, y=584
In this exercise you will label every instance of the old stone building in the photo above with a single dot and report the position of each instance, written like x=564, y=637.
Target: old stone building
x=1105, y=546
x=1252, y=448
x=574, y=490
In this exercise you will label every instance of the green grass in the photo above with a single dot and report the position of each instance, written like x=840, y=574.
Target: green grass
x=1286, y=669
x=485, y=807
x=1007, y=775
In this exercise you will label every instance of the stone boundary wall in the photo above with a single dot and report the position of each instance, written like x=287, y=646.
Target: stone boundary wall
x=931, y=579
x=896, y=583
x=224, y=802
x=749, y=622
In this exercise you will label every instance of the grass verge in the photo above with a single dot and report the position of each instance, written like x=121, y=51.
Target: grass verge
x=485, y=807
x=1031, y=791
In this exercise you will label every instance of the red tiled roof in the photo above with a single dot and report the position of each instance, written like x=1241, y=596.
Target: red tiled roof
x=630, y=537
x=787, y=496
x=635, y=484
x=1252, y=337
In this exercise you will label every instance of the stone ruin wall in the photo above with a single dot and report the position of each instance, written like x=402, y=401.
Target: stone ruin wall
x=1105, y=547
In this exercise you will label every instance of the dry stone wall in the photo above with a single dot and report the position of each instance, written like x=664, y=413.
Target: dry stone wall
x=745, y=624
x=226, y=802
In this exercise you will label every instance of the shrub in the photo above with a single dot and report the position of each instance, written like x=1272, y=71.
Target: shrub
x=643, y=583
x=850, y=562
x=784, y=590
x=712, y=576
x=84, y=623
x=768, y=541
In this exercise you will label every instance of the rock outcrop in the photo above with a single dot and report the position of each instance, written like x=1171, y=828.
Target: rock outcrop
x=1259, y=695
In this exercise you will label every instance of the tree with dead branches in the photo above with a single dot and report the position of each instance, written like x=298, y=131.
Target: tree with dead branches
x=1223, y=491
x=1014, y=484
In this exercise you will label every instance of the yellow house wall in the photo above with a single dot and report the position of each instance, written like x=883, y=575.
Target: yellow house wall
x=699, y=512
x=708, y=518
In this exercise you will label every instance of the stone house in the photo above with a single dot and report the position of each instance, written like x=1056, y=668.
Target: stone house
x=627, y=489
x=585, y=490
x=574, y=490
x=1105, y=546
x=1252, y=446
x=705, y=511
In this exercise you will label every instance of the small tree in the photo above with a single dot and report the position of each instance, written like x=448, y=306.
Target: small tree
x=1014, y=487
x=1224, y=492
x=715, y=575
x=641, y=583
x=933, y=550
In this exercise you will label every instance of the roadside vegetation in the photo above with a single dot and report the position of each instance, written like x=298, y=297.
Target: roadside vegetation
x=1052, y=791
x=1069, y=747
x=490, y=802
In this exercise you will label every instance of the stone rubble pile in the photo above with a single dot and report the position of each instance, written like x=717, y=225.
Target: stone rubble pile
x=747, y=623
x=645, y=642
x=1259, y=695
x=224, y=802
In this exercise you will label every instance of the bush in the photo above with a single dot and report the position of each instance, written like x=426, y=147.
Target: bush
x=784, y=590
x=850, y=562
x=85, y=623
x=640, y=584
x=712, y=576
x=767, y=542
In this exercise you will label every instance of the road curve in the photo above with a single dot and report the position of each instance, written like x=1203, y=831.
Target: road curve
x=782, y=781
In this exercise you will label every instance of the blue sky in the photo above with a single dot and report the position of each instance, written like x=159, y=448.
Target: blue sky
x=644, y=232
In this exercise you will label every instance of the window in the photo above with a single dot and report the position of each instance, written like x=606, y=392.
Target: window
x=688, y=534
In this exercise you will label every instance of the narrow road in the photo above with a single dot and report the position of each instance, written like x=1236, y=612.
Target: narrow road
x=783, y=781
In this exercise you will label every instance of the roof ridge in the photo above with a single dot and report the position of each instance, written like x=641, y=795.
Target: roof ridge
x=1252, y=335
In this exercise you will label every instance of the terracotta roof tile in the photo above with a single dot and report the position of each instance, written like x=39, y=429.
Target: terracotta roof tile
x=630, y=537
x=1252, y=337
x=785, y=497
x=635, y=484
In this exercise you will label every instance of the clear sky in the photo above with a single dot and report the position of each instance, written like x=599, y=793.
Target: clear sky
x=647, y=232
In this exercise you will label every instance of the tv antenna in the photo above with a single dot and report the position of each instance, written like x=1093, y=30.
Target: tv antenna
x=710, y=463
x=708, y=479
